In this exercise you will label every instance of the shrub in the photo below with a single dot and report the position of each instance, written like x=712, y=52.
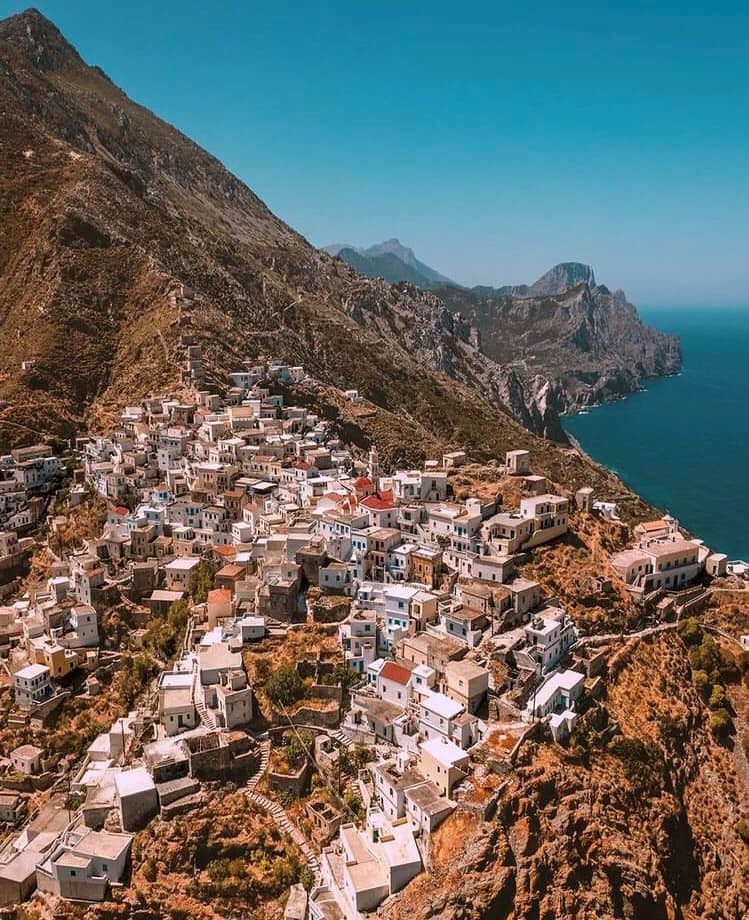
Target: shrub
x=201, y=581
x=742, y=829
x=307, y=878
x=720, y=724
x=262, y=669
x=341, y=674
x=149, y=870
x=690, y=631
x=717, y=698
x=284, y=686
x=705, y=656
x=702, y=683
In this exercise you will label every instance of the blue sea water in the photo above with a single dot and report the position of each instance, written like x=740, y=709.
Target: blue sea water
x=683, y=442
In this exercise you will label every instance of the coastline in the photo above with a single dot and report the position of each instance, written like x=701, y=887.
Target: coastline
x=663, y=447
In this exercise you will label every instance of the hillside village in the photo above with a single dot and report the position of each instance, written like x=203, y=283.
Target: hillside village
x=360, y=652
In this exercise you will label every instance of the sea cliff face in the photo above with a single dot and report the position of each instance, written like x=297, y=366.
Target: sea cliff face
x=554, y=346
x=579, y=345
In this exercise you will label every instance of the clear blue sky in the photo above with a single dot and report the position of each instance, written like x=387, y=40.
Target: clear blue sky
x=496, y=139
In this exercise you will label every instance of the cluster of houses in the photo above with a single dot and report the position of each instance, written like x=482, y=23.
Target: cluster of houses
x=664, y=560
x=27, y=476
x=423, y=590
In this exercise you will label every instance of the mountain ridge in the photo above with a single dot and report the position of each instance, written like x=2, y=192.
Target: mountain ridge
x=109, y=211
x=390, y=260
x=572, y=340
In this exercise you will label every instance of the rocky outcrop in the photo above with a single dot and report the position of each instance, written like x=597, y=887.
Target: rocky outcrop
x=587, y=343
x=566, y=341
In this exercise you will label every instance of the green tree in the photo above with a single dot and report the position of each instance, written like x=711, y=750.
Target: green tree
x=701, y=683
x=298, y=745
x=307, y=878
x=284, y=686
x=341, y=674
x=201, y=581
x=690, y=631
x=351, y=800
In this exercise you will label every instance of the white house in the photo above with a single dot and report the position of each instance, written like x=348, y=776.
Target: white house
x=558, y=693
x=32, y=685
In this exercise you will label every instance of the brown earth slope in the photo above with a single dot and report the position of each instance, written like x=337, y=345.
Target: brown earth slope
x=636, y=818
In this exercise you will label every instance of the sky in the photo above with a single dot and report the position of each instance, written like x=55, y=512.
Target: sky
x=496, y=139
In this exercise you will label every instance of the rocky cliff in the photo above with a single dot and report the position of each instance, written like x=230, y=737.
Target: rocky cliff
x=635, y=818
x=563, y=342
x=575, y=340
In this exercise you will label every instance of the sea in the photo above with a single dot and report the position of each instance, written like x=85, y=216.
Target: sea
x=682, y=442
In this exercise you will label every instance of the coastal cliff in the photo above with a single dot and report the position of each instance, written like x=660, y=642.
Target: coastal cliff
x=562, y=343
x=585, y=342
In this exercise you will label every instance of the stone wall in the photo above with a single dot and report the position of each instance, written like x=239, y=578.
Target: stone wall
x=290, y=783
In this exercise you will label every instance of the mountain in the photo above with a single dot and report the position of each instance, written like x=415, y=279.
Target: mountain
x=574, y=340
x=122, y=241
x=569, y=340
x=556, y=280
x=390, y=260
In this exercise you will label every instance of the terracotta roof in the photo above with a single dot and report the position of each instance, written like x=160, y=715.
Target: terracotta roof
x=653, y=525
x=396, y=672
x=228, y=551
x=121, y=511
x=363, y=482
x=230, y=571
x=219, y=596
x=382, y=502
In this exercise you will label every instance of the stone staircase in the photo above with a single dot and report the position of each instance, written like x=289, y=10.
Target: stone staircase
x=206, y=716
x=258, y=774
x=284, y=824
x=342, y=739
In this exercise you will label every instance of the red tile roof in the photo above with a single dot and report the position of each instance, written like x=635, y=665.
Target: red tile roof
x=219, y=596
x=396, y=673
x=381, y=502
x=653, y=525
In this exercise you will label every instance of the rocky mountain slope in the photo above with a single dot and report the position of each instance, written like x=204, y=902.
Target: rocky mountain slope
x=120, y=236
x=636, y=818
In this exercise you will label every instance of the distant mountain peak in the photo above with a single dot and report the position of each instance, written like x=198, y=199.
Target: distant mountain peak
x=390, y=260
x=34, y=35
x=561, y=278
